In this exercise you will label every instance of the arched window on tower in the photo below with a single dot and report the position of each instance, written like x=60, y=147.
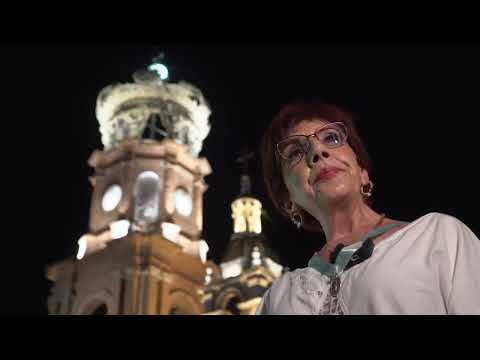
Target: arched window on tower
x=183, y=303
x=179, y=310
x=230, y=300
x=232, y=306
x=100, y=310
x=147, y=197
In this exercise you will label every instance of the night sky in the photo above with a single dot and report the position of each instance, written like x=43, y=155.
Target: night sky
x=416, y=107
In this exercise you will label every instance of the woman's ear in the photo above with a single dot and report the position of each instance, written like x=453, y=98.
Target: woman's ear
x=364, y=177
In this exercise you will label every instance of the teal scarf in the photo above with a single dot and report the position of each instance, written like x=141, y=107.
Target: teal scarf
x=346, y=255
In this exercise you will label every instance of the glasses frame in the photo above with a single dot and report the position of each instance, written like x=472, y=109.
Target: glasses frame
x=343, y=129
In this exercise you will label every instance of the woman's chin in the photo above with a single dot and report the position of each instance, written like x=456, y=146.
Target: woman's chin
x=333, y=196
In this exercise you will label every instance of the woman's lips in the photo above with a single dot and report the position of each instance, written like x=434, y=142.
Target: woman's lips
x=326, y=174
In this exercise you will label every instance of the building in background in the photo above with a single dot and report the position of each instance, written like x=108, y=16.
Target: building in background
x=144, y=253
x=248, y=266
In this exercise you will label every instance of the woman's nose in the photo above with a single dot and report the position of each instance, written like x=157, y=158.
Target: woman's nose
x=315, y=153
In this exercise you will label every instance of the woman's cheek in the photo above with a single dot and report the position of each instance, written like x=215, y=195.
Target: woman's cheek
x=293, y=179
x=297, y=185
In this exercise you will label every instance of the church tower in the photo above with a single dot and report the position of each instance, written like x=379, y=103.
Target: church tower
x=143, y=253
x=249, y=266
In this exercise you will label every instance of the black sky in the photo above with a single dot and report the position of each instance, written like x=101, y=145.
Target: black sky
x=416, y=107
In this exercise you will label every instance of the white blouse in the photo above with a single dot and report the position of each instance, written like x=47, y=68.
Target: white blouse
x=430, y=266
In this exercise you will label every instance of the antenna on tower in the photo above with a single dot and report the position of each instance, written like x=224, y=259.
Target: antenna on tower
x=245, y=181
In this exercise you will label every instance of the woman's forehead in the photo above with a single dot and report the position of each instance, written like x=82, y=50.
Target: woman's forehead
x=306, y=127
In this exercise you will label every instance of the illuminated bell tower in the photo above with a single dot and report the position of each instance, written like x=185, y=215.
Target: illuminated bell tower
x=248, y=267
x=143, y=253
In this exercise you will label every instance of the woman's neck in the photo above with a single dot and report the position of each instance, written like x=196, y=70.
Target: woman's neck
x=344, y=223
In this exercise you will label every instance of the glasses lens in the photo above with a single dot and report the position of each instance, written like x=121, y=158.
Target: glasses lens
x=292, y=149
x=333, y=135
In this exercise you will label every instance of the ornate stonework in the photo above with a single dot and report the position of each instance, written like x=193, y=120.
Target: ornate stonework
x=125, y=110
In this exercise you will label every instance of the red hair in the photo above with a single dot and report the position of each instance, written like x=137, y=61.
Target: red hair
x=289, y=116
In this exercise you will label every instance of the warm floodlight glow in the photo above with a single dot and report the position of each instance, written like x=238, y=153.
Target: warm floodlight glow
x=119, y=229
x=170, y=231
x=82, y=247
x=203, y=249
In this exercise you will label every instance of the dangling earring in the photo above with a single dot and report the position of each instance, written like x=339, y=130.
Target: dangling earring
x=294, y=214
x=297, y=219
x=367, y=192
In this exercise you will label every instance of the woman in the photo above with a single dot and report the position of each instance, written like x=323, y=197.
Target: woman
x=316, y=170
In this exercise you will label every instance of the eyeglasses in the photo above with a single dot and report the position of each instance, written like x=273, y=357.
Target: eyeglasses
x=294, y=147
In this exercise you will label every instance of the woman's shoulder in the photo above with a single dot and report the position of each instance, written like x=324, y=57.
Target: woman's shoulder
x=438, y=216
x=438, y=219
x=439, y=226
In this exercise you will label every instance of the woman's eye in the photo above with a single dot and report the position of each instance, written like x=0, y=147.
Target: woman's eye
x=294, y=153
x=331, y=138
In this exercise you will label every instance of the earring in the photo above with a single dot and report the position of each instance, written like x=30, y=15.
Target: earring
x=294, y=214
x=297, y=219
x=367, y=193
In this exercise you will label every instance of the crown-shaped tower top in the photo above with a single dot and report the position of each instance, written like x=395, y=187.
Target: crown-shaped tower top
x=178, y=111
